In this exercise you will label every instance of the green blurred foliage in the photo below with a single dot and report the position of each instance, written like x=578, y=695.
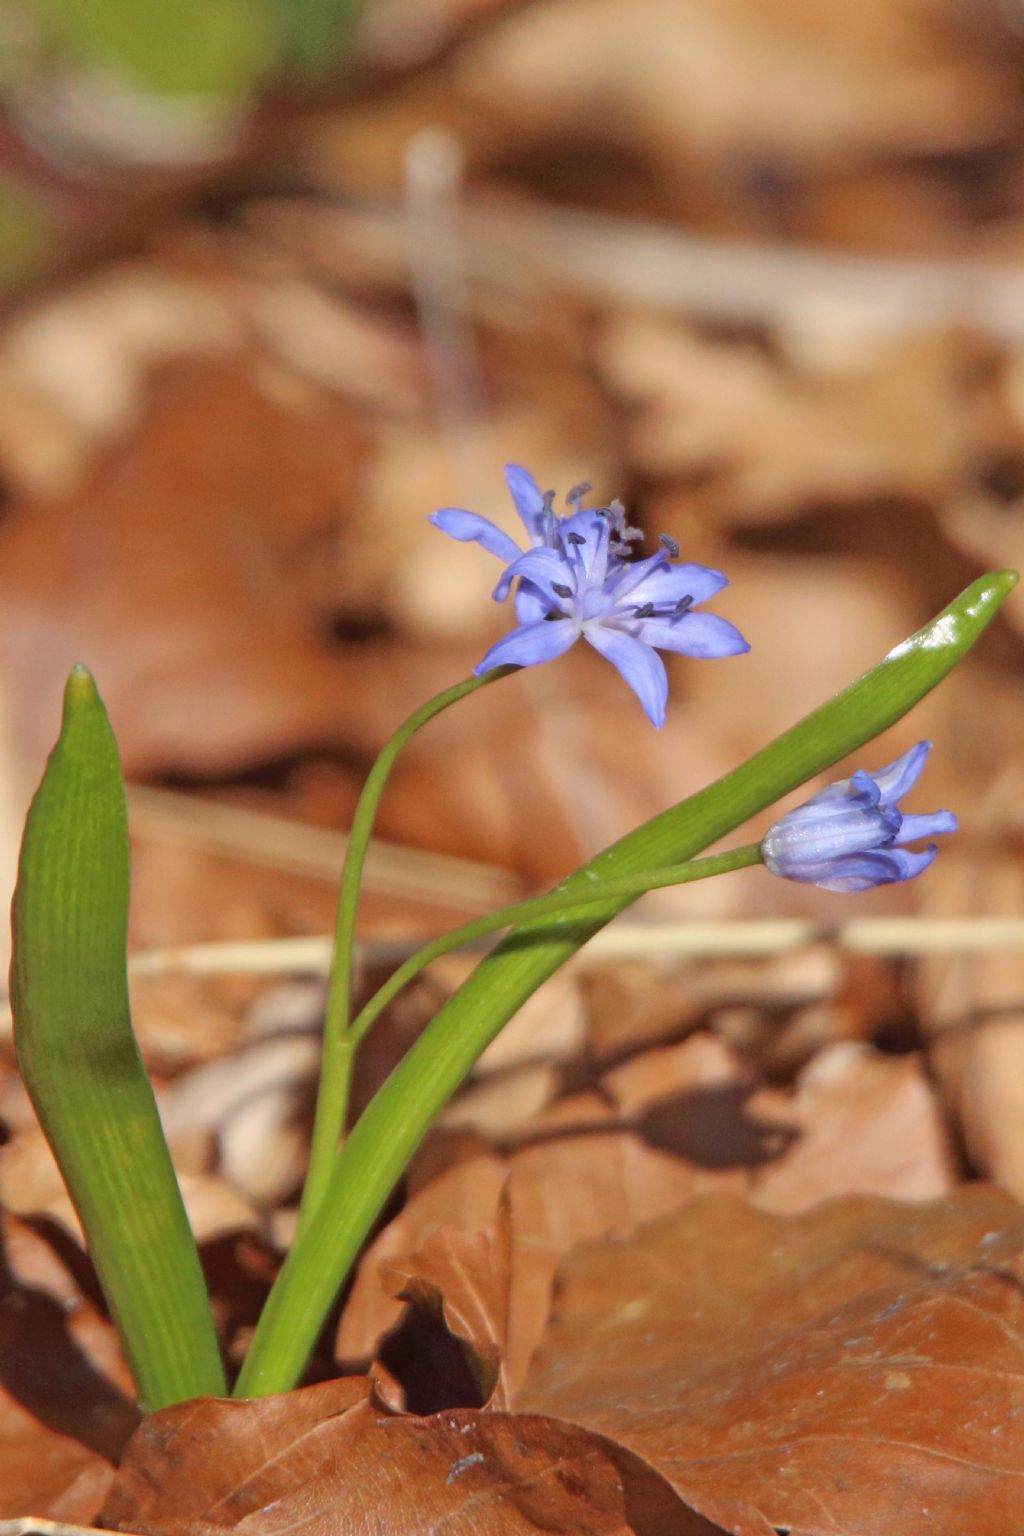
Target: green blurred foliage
x=314, y=34
x=26, y=228
x=210, y=56
x=218, y=48
x=224, y=49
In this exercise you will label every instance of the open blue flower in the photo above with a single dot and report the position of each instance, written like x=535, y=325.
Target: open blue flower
x=579, y=579
x=851, y=836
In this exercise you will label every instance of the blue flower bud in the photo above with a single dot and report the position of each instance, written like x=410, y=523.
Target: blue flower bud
x=851, y=836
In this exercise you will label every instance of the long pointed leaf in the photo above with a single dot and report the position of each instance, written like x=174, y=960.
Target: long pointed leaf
x=81, y=1064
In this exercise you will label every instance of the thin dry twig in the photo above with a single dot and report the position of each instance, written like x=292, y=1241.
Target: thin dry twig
x=28, y=1525
x=897, y=936
x=435, y=879
x=518, y=247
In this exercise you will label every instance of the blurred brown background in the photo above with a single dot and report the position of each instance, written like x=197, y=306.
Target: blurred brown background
x=281, y=280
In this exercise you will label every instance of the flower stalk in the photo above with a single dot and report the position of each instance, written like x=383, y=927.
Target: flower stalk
x=564, y=905
x=339, y=1045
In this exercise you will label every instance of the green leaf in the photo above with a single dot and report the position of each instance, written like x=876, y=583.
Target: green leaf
x=215, y=48
x=81, y=1064
x=26, y=230
x=392, y=1126
x=315, y=34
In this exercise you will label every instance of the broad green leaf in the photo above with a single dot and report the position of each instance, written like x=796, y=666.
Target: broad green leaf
x=391, y=1127
x=81, y=1064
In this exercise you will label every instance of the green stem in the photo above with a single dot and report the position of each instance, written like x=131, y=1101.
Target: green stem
x=561, y=904
x=390, y=1129
x=339, y=1053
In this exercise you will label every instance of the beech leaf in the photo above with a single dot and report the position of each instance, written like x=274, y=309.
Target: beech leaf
x=855, y=1371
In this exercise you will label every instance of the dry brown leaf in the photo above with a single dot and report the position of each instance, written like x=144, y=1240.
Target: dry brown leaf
x=697, y=1101
x=580, y=1176
x=709, y=88
x=775, y=438
x=858, y=1122
x=74, y=366
x=857, y=1370
x=31, y=1186
x=324, y=1461
x=462, y=1195
x=336, y=345
x=465, y=1277
x=177, y=575
x=254, y=1100
x=66, y=1397
x=972, y=1010
x=504, y=1106
x=861, y=1123
x=641, y=1002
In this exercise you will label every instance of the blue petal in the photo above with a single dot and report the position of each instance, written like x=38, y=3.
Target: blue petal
x=862, y=871
x=813, y=835
x=668, y=583
x=529, y=645
x=862, y=787
x=529, y=500
x=543, y=567
x=694, y=634
x=642, y=668
x=470, y=527
x=592, y=554
x=895, y=780
x=627, y=577
x=860, y=790
x=915, y=828
x=531, y=604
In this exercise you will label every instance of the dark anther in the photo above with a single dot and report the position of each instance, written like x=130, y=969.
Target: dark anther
x=560, y=589
x=578, y=492
x=575, y=538
x=671, y=546
x=549, y=501
x=684, y=603
x=645, y=610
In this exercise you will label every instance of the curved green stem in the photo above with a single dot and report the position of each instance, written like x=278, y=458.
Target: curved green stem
x=392, y=1126
x=338, y=1053
x=562, y=904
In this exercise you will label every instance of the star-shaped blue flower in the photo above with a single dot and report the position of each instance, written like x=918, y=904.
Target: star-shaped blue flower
x=579, y=579
x=851, y=836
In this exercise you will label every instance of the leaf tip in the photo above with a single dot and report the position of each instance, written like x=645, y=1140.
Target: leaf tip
x=80, y=689
x=985, y=597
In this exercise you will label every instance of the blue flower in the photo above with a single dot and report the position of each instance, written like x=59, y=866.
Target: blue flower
x=578, y=578
x=850, y=837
